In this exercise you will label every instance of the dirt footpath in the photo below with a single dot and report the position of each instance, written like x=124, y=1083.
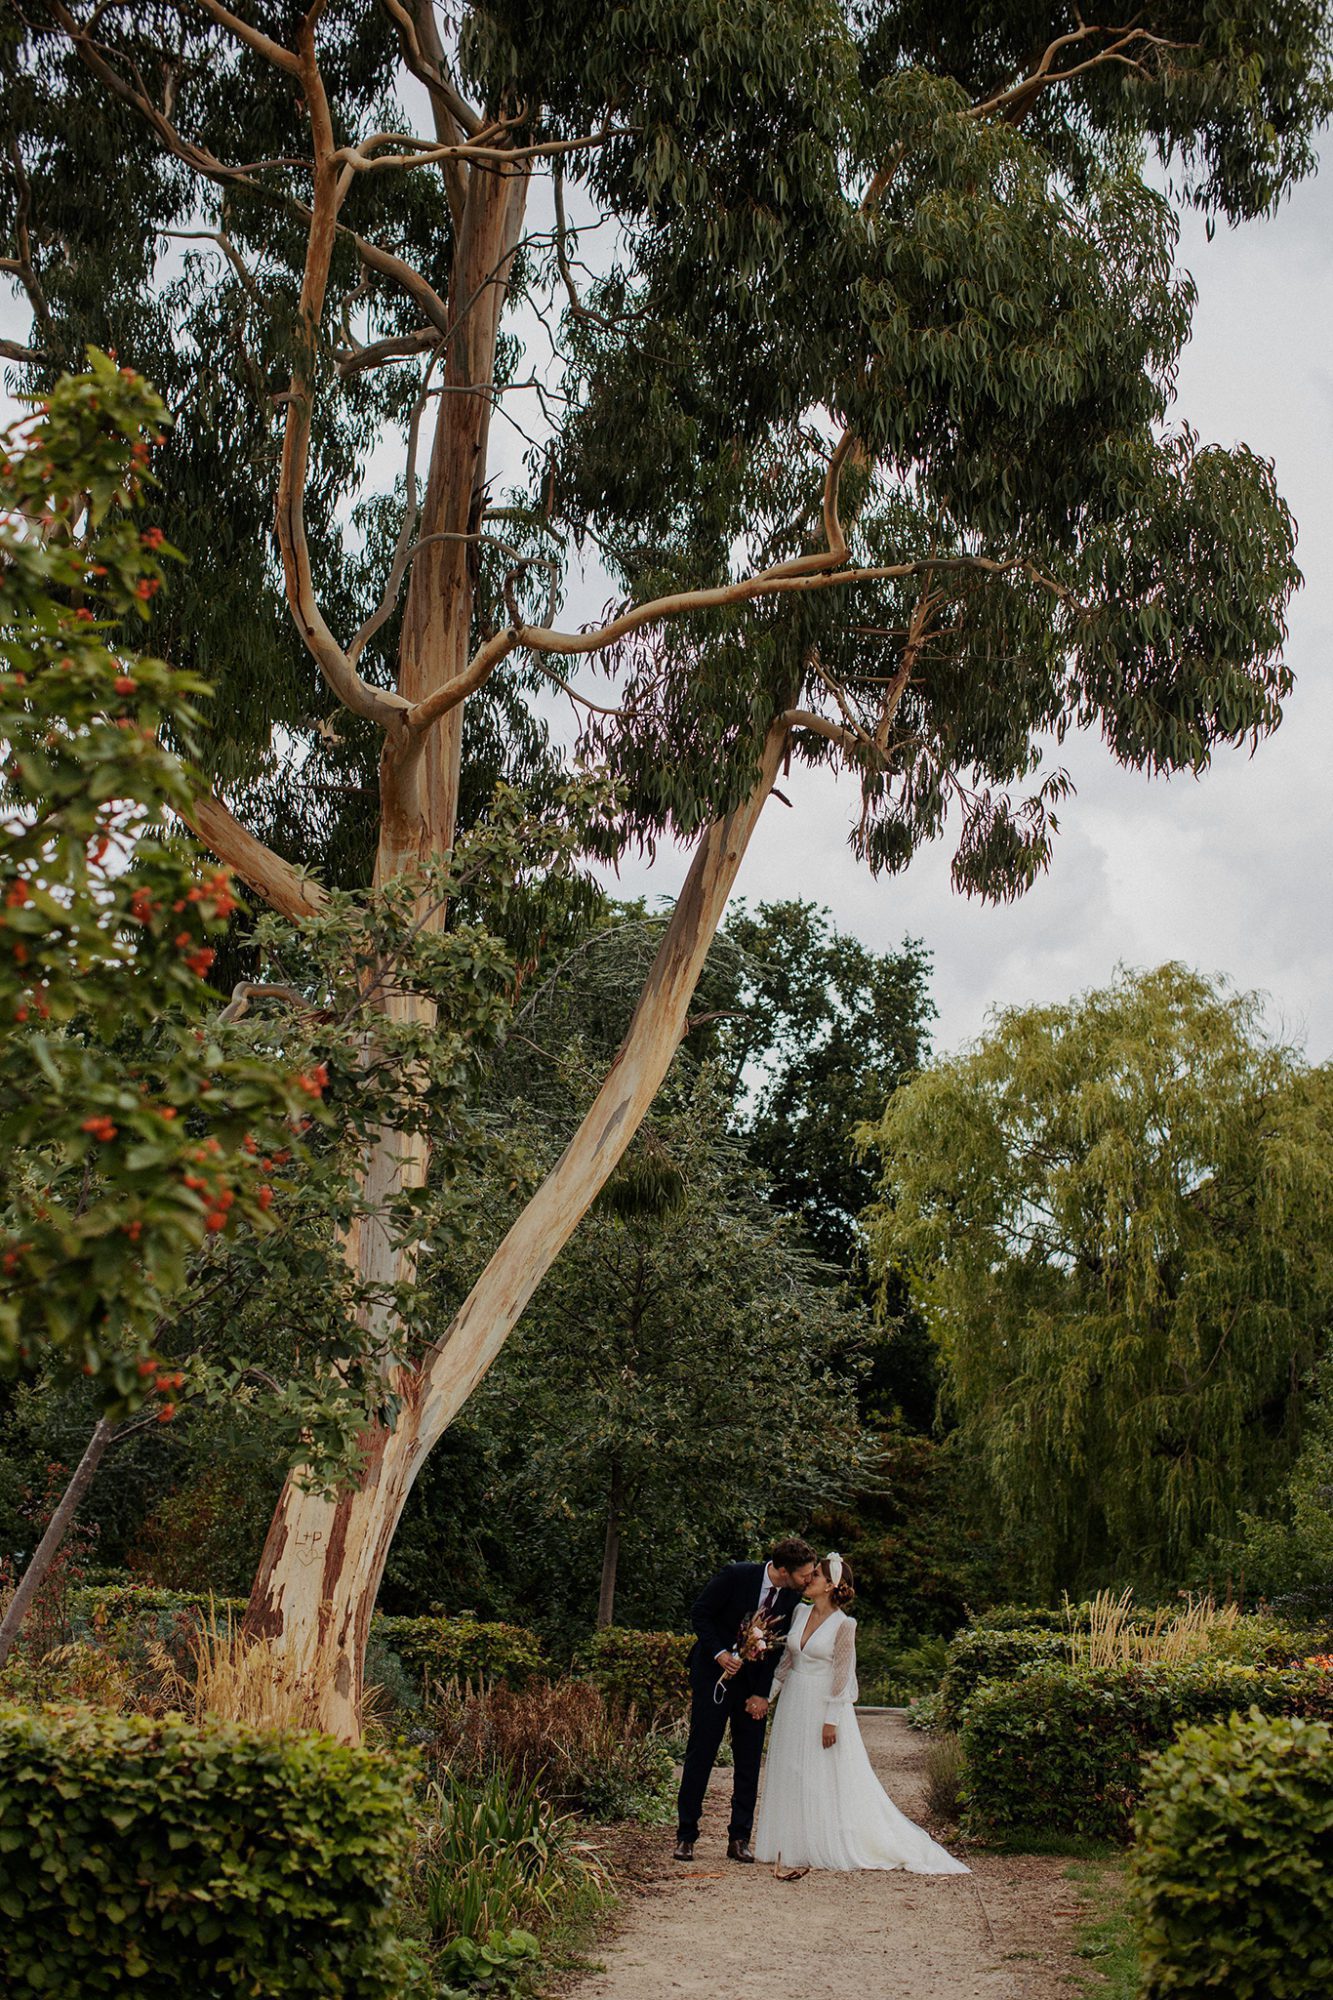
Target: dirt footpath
x=715, y=1930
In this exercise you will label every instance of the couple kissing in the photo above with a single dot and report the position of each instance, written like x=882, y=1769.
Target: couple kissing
x=778, y=1635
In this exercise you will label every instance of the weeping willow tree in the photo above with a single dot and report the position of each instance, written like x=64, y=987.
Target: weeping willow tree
x=1118, y=1217
x=851, y=327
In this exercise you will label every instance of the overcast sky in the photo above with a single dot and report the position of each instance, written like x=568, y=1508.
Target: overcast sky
x=1228, y=873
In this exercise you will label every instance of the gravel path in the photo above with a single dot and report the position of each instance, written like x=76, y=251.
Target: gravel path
x=717, y=1931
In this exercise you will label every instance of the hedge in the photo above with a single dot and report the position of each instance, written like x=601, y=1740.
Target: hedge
x=984, y=1655
x=645, y=1669
x=987, y=1653
x=127, y=1615
x=1018, y=1618
x=1231, y=1879
x=464, y=1649
x=1061, y=1750
x=202, y=1859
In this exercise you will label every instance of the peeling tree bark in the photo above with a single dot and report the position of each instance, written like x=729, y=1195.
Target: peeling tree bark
x=320, y=1570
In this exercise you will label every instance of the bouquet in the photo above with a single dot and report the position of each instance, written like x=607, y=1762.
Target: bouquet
x=756, y=1636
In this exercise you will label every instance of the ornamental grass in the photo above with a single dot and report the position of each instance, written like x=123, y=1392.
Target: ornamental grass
x=225, y=1674
x=1110, y=1631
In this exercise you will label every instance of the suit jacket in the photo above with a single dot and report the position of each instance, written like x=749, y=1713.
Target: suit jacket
x=720, y=1609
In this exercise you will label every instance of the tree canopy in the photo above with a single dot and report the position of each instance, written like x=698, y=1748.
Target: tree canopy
x=1116, y=1217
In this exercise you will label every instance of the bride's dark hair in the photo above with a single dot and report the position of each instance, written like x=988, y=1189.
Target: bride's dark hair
x=843, y=1593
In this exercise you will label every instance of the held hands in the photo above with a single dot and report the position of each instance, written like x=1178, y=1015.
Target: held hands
x=830, y=1735
x=756, y=1708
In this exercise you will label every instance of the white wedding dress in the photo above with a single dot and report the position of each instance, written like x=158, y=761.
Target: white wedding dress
x=826, y=1808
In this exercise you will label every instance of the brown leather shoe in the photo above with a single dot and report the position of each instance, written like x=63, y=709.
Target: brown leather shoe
x=739, y=1850
x=683, y=1851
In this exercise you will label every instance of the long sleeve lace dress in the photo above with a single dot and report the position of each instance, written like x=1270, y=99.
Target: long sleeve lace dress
x=826, y=1808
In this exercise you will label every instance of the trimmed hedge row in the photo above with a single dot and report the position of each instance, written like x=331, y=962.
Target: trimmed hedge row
x=466, y=1648
x=990, y=1653
x=979, y=1655
x=1061, y=1749
x=207, y=1860
x=1018, y=1618
x=1230, y=1877
x=463, y=1649
x=643, y=1670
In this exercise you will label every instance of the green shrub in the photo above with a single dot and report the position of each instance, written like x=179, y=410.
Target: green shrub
x=1231, y=1879
x=131, y=1621
x=926, y=1714
x=395, y=1697
x=77, y=1672
x=500, y=1963
x=983, y=1655
x=463, y=1649
x=210, y=1860
x=1061, y=1749
x=987, y=1652
x=646, y=1671
x=107, y=1606
x=1019, y=1618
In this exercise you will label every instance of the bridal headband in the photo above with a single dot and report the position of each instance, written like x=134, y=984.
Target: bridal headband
x=833, y=1564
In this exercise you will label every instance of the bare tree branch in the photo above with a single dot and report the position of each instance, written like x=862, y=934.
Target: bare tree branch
x=246, y=990
x=23, y=266
x=1016, y=100
x=820, y=572
x=262, y=44
x=402, y=554
x=286, y=889
x=427, y=63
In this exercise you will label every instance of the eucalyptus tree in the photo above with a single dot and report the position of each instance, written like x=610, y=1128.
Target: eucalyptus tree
x=864, y=410
x=1117, y=1215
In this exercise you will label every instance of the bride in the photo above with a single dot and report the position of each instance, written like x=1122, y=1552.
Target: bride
x=823, y=1806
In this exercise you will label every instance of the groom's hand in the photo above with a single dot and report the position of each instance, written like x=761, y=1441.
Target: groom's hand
x=730, y=1664
x=756, y=1708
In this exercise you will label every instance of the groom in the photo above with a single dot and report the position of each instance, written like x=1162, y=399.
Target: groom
x=722, y=1607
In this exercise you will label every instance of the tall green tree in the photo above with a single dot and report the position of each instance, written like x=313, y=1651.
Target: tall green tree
x=824, y=1030
x=864, y=408
x=820, y=1031
x=1117, y=1217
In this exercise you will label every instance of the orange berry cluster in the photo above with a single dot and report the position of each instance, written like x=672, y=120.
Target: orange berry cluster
x=163, y=1384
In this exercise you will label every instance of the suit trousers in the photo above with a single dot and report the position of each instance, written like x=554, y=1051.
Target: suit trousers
x=709, y=1720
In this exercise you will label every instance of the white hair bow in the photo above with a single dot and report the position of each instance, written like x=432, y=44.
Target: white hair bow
x=833, y=1563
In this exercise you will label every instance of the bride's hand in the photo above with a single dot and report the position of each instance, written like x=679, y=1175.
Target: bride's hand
x=830, y=1734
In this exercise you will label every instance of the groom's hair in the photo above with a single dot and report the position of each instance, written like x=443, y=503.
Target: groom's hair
x=791, y=1553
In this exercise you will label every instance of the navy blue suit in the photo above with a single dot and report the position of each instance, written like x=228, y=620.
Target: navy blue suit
x=720, y=1609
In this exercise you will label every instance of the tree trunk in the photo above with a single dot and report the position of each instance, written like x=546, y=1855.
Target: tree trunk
x=615, y=1502
x=320, y=1571
x=419, y=813
x=419, y=810
x=42, y=1557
